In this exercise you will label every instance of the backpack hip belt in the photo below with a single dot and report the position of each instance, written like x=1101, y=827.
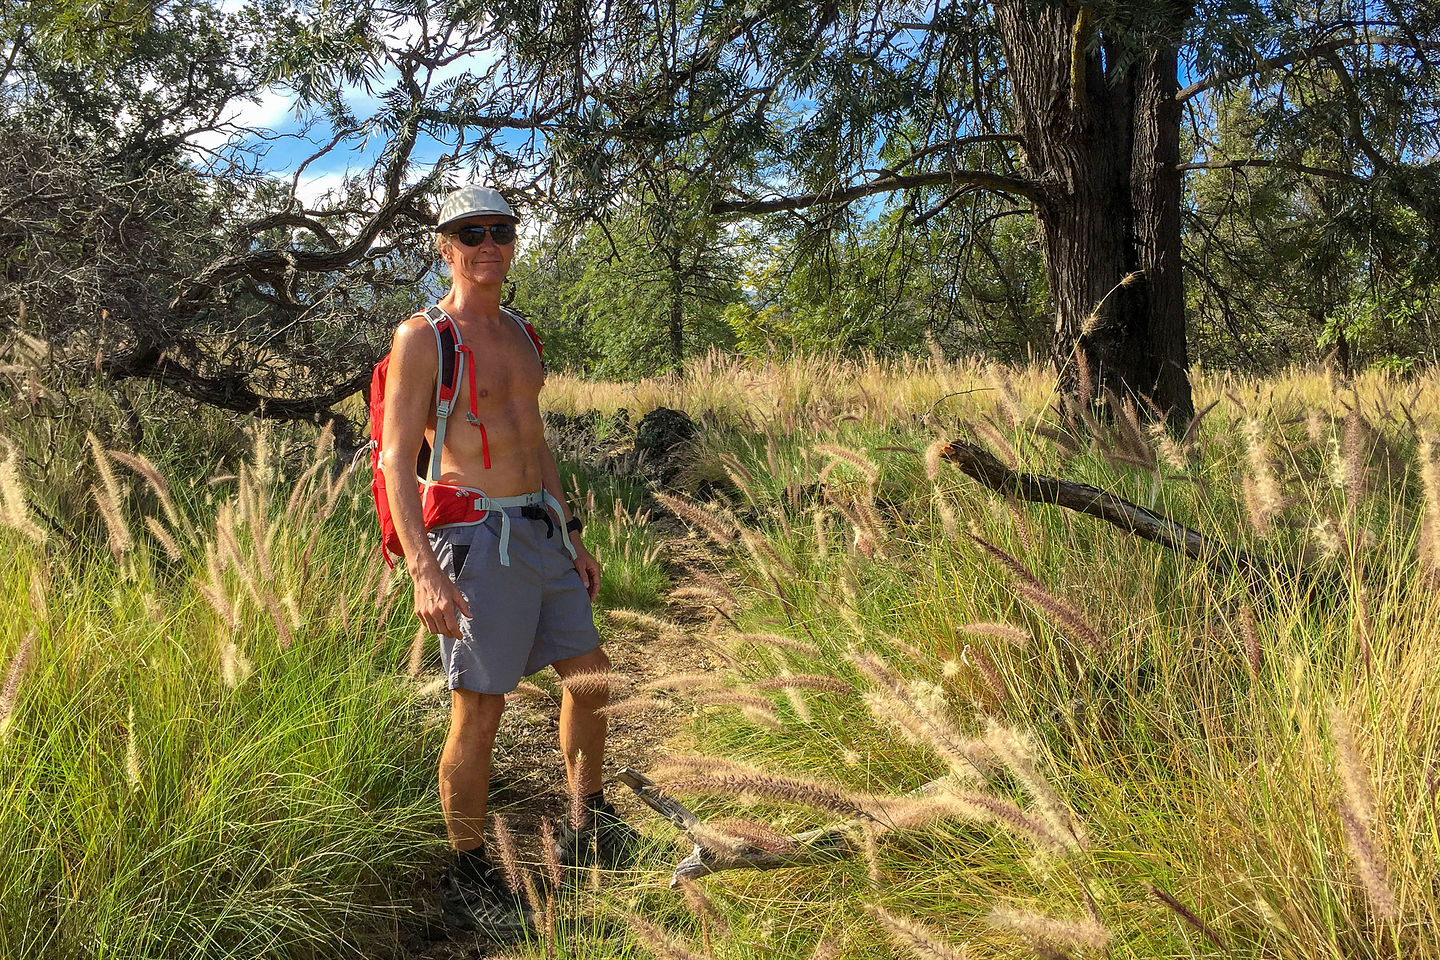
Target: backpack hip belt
x=457, y=506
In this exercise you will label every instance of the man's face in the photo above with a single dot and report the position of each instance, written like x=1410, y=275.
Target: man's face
x=485, y=264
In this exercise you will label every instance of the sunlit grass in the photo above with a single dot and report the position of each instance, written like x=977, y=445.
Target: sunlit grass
x=225, y=752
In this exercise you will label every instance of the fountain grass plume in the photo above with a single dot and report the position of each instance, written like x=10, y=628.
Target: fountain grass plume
x=1250, y=631
x=703, y=906
x=163, y=537
x=1085, y=933
x=1261, y=489
x=722, y=530
x=1357, y=809
x=157, y=482
x=756, y=833
x=553, y=870
x=778, y=642
x=234, y=666
x=658, y=941
x=825, y=683
x=1017, y=569
x=14, y=505
x=684, y=682
x=115, y=527
x=842, y=454
x=594, y=682
x=417, y=650
x=505, y=847
x=631, y=707
x=998, y=442
x=922, y=721
x=916, y=939
x=1008, y=815
x=1187, y=915
x=1017, y=752
x=1008, y=632
x=1070, y=621
x=132, y=751
x=770, y=786
x=949, y=745
x=10, y=692
x=644, y=621
x=934, y=458
x=578, y=776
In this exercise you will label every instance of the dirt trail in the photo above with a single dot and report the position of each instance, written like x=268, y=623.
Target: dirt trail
x=528, y=779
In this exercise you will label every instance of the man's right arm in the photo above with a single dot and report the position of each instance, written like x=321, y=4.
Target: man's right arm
x=409, y=401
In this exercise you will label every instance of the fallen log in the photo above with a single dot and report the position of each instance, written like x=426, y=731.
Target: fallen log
x=827, y=844
x=822, y=845
x=980, y=464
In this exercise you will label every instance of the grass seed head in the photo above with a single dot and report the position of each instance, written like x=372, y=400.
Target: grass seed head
x=915, y=938
x=10, y=692
x=659, y=942
x=1082, y=933
x=505, y=847
x=1357, y=808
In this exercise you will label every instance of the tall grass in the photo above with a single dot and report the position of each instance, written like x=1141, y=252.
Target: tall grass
x=214, y=737
x=1249, y=765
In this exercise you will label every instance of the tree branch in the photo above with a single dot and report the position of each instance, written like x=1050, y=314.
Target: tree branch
x=884, y=184
x=1301, y=56
x=230, y=393
x=983, y=466
x=1262, y=162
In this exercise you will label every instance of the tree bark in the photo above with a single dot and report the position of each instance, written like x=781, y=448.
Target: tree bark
x=677, y=320
x=1103, y=146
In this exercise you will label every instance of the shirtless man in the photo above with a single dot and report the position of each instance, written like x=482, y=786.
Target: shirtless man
x=505, y=595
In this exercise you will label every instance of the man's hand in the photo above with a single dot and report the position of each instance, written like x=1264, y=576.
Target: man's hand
x=438, y=602
x=588, y=567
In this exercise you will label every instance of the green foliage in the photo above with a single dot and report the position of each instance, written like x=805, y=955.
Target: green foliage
x=606, y=302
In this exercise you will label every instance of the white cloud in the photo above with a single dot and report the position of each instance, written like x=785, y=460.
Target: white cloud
x=269, y=111
x=312, y=187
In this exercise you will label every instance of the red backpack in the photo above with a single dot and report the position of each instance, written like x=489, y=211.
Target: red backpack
x=454, y=363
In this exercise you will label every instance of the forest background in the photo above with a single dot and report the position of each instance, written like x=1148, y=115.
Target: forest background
x=231, y=199
x=1183, y=252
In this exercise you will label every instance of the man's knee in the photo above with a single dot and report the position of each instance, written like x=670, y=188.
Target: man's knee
x=586, y=696
x=593, y=662
x=475, y=715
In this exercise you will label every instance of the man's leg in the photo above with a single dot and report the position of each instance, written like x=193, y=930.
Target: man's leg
x=582, y=730
x=465, y=765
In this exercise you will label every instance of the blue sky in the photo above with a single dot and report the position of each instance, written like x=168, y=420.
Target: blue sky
x=288, y=143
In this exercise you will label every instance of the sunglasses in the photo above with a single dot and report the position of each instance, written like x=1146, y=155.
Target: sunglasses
x=501, y=233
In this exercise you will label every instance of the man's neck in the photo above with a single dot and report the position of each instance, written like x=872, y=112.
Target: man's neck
x=472, y=301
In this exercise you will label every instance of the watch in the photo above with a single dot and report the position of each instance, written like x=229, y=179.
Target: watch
x=574, y=525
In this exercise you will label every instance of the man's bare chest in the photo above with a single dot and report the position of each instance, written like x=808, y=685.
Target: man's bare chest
x=502, y=368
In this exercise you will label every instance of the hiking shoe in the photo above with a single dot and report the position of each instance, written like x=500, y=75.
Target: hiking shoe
x=483, y=905
x=603, y=838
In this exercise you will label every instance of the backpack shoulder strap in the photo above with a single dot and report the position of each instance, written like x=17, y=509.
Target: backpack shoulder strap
x=447, y=378
x=535, y=340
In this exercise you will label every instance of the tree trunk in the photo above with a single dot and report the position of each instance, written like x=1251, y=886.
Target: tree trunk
x=1104, y=149
x=677, y=320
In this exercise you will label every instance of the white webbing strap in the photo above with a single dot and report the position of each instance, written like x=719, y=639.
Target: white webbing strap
x=434, y=315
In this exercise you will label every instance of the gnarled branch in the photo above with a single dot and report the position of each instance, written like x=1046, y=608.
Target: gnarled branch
x=884, y=184
x=982, y=465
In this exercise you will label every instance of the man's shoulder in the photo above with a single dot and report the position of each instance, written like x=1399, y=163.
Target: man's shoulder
x=414, y=342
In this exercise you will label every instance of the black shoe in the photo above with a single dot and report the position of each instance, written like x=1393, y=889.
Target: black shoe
x=603, y=838
x=483, y=905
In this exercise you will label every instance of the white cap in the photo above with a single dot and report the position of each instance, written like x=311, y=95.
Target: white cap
x=473, y=201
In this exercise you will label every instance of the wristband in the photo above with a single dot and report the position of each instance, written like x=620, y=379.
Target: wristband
x=574, y=525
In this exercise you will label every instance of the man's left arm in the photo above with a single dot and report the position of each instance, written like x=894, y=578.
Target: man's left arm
x=586, y=564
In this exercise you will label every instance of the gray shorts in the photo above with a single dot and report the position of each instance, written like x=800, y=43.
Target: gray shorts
x=523, y=617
